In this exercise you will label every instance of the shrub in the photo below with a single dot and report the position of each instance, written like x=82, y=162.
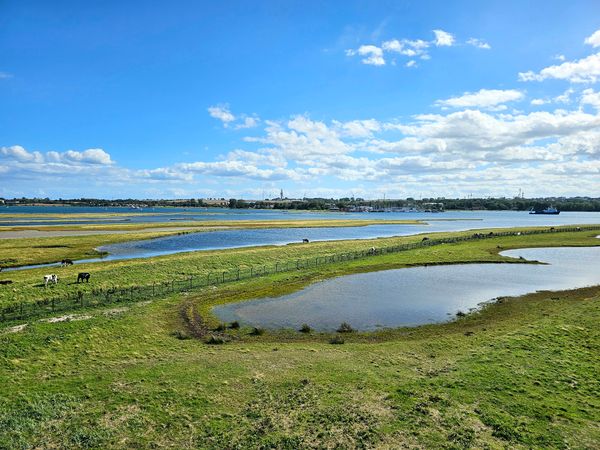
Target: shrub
x=257, y=331
x=234, y=325
x=460, y=314
x=336, y=340
x=305, y=328
x=215, y=340
x=221, y=327
x=345, y=328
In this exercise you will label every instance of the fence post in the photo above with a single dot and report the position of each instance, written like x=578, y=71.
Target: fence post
x=52, y=303
x=238, y=273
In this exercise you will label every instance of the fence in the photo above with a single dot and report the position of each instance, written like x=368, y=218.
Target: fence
x=100, y=297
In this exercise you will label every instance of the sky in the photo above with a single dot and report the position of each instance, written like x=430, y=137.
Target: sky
x=345, y=98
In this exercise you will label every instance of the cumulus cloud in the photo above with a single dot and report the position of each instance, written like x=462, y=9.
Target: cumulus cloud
x=372, y=55
x=484, y=98
x=90, y=156
x=443, y=38
x=584, y=70
x=375, y=55
x=479, y=43
x=222, y=113
x=594, y=39
x=590, y=97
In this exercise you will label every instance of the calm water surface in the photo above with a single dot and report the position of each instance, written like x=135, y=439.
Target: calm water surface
x=419, y=295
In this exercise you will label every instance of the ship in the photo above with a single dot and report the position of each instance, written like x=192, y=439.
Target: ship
x=548, y=210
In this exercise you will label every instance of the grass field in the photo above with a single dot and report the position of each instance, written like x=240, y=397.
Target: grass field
x=39, y=250
x=521, y=373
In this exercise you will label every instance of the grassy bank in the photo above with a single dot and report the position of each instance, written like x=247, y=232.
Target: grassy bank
x=27, y=284
x=519, y=374
x=216, y=224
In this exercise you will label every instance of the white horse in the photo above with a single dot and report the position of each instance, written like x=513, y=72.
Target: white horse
x=52, y=278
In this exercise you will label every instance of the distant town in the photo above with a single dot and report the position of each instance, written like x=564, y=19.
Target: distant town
x=347, y=204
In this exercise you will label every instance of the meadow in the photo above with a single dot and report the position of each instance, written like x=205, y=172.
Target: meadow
x=519, y=373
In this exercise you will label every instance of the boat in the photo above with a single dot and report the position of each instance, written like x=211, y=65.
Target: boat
x=548, y=210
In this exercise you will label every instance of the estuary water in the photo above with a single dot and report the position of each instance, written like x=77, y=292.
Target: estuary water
x=223, y=239
x=419, y=295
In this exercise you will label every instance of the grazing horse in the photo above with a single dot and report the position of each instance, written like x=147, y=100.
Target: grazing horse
x=52, y=278
x=305, y=241
x=83, y=276
x=66, y=262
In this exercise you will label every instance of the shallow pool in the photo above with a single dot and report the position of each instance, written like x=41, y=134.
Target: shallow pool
x=419, y=295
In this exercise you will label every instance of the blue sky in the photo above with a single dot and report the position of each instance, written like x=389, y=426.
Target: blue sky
x=199, y=99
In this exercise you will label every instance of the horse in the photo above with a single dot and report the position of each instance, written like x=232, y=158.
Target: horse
x=305, y=241
x=66, y=262
x=81, y=276
x=372, y=251
x=52, y=278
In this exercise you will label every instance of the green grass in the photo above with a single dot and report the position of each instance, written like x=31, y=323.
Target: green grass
x=40, y=250
x=27, y=284
x=521, y=373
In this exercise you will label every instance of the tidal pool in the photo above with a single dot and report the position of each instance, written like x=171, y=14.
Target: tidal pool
x=419, y=295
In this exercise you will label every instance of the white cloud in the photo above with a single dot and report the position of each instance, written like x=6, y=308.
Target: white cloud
x=565, y=97
x=559, y=57
x=373, y=55
x=411, y=63
x=222, y=113
x=411, y=48
x=539, y=101
x=594, y=39
x=443, y=38
x=589, y=97
x=478, y=43
x=248, y=122
x=90, y=156
x=484, y=98
x=392, y=46
x=5, y=75
x=585, y=70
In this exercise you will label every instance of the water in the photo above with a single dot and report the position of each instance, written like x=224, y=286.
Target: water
x=419, y=295
x=223, y=239
x=150, y=215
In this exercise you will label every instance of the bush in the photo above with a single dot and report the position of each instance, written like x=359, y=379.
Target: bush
x=345, y=328
x=215, y=340
x=305, y=328
x=234, y=325
x=336, y=340
x=460, y=314
x=221, y=327
x=257, y=331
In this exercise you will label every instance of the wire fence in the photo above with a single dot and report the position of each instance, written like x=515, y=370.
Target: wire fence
x=115, y=295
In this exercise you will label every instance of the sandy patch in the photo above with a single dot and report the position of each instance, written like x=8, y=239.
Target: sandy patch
x=66, y=318
x=115, y=311
x=16, y=328
x=62, y=233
